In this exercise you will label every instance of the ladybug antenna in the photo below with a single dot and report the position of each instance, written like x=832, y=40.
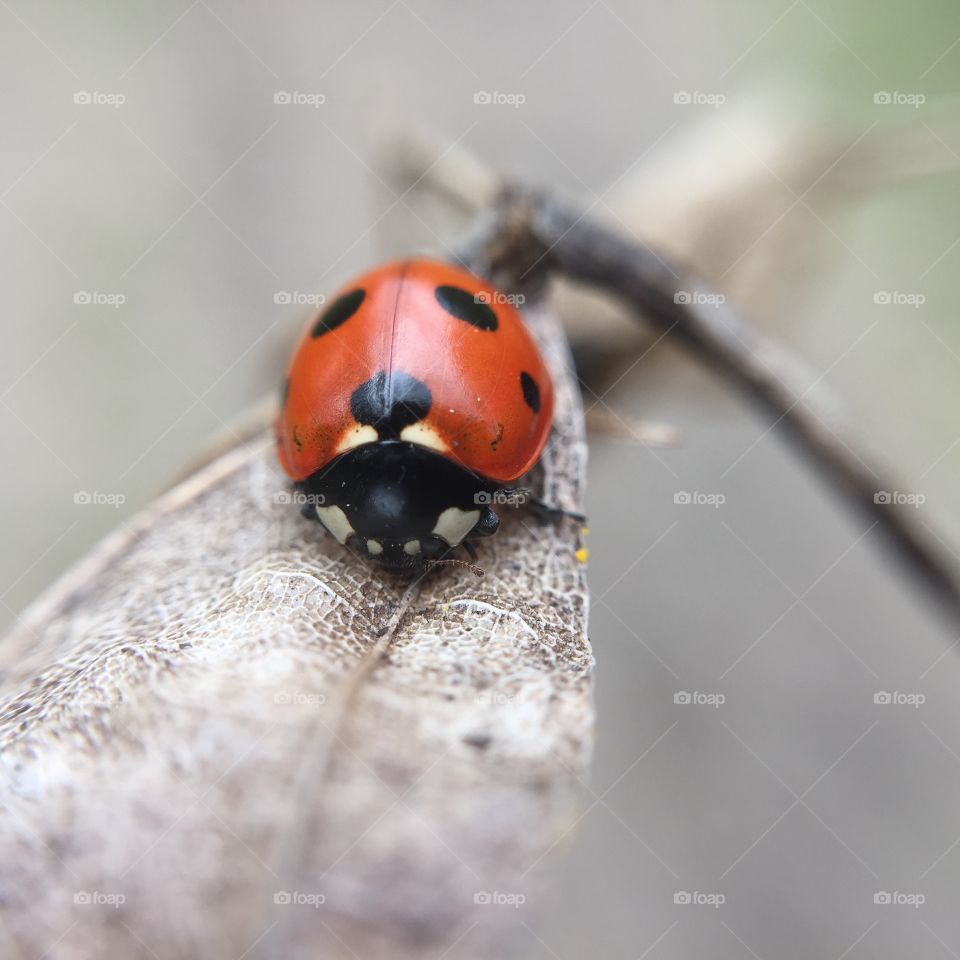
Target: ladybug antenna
x=472, y=567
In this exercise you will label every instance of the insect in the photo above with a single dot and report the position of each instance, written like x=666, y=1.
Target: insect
x=413, y=397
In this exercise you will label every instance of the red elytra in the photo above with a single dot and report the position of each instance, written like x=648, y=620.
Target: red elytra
x=405, y=326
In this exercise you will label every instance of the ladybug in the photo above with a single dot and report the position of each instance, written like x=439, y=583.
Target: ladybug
x=412, y=397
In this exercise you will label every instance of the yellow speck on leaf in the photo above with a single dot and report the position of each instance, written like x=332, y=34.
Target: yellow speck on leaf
x=582, y=554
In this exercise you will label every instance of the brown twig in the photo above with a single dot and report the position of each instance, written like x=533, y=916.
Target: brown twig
x=535, y=230
x=526, y=235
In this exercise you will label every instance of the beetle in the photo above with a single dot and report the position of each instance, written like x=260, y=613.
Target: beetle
x=413, y=397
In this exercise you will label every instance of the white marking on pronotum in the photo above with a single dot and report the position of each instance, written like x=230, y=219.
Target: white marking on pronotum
x=374, y=548
x=335, y=520
x=425, y=436
x=412, y=547
x=454, y=524
x=356, y=437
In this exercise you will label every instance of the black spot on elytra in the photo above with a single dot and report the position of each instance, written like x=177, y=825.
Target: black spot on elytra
x=390, y=403
x=465, y=306
x=531, y=392
x=339, y=312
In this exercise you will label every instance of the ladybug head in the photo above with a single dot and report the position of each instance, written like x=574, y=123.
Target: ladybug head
x=400, y=504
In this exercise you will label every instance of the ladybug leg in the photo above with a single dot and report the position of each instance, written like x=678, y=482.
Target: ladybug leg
x=471, y=550
x=515, y=496
x=544, y=511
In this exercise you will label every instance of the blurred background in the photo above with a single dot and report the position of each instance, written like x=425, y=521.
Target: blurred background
x=177, y=181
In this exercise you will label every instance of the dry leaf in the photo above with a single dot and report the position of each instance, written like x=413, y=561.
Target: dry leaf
x=220, y=711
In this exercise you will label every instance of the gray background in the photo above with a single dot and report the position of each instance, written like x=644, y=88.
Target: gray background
x=199, y=199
